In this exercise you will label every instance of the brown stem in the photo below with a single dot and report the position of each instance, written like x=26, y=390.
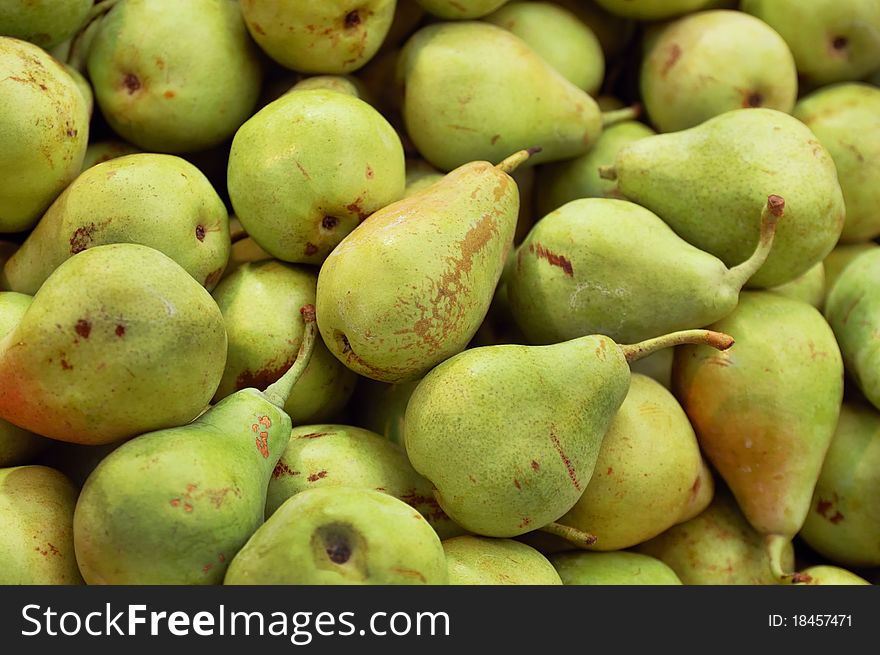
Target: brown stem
x=512, y=163
x=717, y=340
x=572, y=535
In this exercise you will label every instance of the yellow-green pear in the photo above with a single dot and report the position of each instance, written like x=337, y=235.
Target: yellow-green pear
x=612, y=568
x=45, y=23
x=830, y=575
x=808, y=287
x=459, y=9
x=485, y=561
x=648, y=10
x=838, y=259
x=100, y=151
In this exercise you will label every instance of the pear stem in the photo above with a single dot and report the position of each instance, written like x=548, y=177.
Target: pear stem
x=608, y=173
x=572, y=535
x=776, y=544
x=739, y=275
x=717, y=340
x=279, y=391
x=630, y=113
x=512, y=163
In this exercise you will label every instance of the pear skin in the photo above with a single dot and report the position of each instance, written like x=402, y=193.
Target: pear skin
x=485, y=561
x=649, y=10
x=614, y=568
x=381, y=407
x=100, y=151
x=45, y=24
x=830, y=575
x=808, y=287
x=459, y=9
x=839, y=258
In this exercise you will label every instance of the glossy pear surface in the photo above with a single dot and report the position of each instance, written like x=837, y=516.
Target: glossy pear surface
x=486, y=561
x=616, y=568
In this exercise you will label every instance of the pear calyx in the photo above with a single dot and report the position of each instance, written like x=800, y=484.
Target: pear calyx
x=717, y=340
x=608, y=173
x=770, y=215
x=572, y=535
x=278, y=392
x=511, y=163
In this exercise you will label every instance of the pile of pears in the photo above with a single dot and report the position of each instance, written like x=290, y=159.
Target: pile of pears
x=525, y=292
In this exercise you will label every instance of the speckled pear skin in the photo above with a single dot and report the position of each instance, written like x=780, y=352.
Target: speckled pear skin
x=260, y=302
x=616, y=568
x=832, y=40
x=161, y=201
x=17, y=446
x=320, y=36
x=409, y=288
x=765, y=410
x=561, y=182
x=45, y=23
x=446, y=63
x=843, y=523
x=717, y=547
x=306, y=169
x=118, y=341
x=582, y=270
x=559, y=36
x=341, y=536
x=333, y=455
x=502, y=464
x=485, y=561
x=45, y=121
x=727, y=176
x=831, y=575
x=36, y=543
x=459, y=9
x=162, y=92
x=808, y=287
x=648, y=471
x=853, y=311
x=705, y=64
x=846, y=120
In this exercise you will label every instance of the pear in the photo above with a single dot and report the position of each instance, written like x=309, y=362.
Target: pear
x=717, y=547
x=853, y=311
x=606, y=266
x=419, y=175
x=161, y=88
x=45, y=123
x=710, y=62
x=560, y=37
x=460, y=9
x=45, y=23
x=306, y=169
x=339, y=83
x=832, y=40
x=259, y=303
x=119, y=340
x=844, y=522
x=846, y=120
x=36, y=512
x=777, y=391
x=338, y=536
x=728, y=164
x=17, y=446
x=485, y=561
x=475, y=91
x=648, y=471
x=613, y=32
x=161, y=201
x=647, y=10
x=198, y=491
x=614, y=568
x=408, y=288
x=808, y=287
x=335, y=36
x=838, y=259
x=830, y=575
x=243, y=250
x=332, y=455
x=657, y=367
x=100, y=151
x=381, y=407
x=568, y=180
x=502, y=463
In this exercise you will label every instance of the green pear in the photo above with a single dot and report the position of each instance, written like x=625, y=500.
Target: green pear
x=831, y=575
x=85, y=88
x=17, y=446
x=708, y=63
x=408, y=288
x=606, y=266
x=647, y=10
x=808, y=287
x=474, y=91
x=460, y=9
x=614, y=568
x=332, y=455
x=197, y=491
x=381, y=407
x=728, y=165
x=564, y=181
x=306, y=169
x=45, y=23
x=717, y=547
x=776, y=392
x=338, y=83
x=162, y=71
x=260, y=302
x=614, y=32
x=336, y=36
x=832, y=40
x=100, y=151
x=339, y=536
x=119, y=340
x=853, y=311
x=36, y=512
x=485, y=561
x=844, y=523
x=45, y=121
x=161, y=201
x=502, y=463
x=560, y=37
x=648, y=470
x=838, y=259
x=846, y=120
